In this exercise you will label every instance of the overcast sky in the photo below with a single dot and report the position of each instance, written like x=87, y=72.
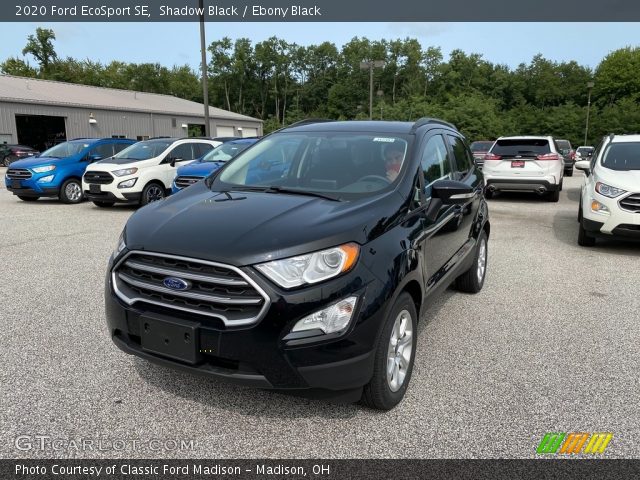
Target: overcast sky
x=178, y=43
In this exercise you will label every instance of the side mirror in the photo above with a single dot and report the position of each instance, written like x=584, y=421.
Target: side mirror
x=452, y=192
x=584, y=165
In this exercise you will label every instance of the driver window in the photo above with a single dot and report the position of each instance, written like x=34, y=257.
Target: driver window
x=435, y=163
x=182, y=152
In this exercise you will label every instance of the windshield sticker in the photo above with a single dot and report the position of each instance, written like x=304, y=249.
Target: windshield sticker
x=384, y=139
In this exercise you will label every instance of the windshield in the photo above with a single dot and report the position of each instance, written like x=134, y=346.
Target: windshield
x=65, y=149
x=225, y=152
x=480, y=146
x=622, y=156
x=339, y=165
x=526, y=147
x=144, y=150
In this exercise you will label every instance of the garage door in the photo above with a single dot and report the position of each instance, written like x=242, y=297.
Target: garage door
x=249, y=132
x=225, y=132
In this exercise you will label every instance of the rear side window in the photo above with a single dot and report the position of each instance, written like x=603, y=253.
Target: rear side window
x=103, y=151
x=622, y=156
x=530, y=147
x=462, y=157
x=435, y=162
x=184, y=152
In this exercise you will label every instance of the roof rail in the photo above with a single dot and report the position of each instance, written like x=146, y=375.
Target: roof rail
x=425, y=120
x=308, y=121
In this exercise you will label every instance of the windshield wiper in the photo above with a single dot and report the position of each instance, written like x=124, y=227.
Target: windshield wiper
x=276, y=189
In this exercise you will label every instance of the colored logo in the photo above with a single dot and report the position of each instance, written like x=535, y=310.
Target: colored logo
x=175, y=283
x=573, y=443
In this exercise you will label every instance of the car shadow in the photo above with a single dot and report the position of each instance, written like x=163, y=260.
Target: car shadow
x=239, y=399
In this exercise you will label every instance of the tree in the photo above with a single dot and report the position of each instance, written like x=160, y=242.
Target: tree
x=18, y=67
x=40, y=46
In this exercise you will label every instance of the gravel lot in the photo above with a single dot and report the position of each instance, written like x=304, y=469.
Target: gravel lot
x=550, y=344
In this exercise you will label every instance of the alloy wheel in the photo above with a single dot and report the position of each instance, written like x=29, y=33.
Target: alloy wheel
x=399, y=351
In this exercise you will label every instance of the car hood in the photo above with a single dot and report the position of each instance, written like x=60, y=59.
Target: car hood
x=627, y=180
x=39, y=161
x=255, y=227
x=200, y=169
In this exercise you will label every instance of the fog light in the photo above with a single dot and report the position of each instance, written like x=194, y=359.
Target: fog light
x=598, y=207
x=46, y=179
x=127, y=183
x=332, y=319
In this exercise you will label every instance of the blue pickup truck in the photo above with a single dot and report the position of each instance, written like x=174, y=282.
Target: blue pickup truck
x=58, y=171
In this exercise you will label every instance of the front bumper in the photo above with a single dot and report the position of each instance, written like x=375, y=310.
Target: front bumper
x=617, y=222
x=110, y=197
x=258, y=355
x=31, y=188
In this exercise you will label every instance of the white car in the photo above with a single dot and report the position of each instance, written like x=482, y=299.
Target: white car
x=143, y=172
x=524, y=163
x=610, y=197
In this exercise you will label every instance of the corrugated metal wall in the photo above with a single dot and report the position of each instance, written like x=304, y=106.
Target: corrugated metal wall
x=110, y=123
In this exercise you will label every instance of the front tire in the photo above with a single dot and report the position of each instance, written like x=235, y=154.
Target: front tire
x=71, y=191
x=152, y=193
x=8, y=160
x=584, y=239
x=394, y=356
x=472, y=280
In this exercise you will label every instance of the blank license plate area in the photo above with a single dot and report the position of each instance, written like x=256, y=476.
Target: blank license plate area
x=94, y=188
x=517, y=163
x=15, y=184
x=176, y=339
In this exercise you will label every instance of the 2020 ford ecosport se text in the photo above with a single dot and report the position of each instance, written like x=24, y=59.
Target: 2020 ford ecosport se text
x=313, y=278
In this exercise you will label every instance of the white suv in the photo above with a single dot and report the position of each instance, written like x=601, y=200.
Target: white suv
x=526, y=163
x=610, y=197
x=143, y=172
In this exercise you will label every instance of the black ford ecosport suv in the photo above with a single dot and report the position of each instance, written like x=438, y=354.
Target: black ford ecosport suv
x=305, y=263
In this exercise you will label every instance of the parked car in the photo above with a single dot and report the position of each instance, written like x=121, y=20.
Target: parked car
x=10, y=153
x=58, y=171
x=195, y=171
x=526, y=163
x=479, y=149
x=569, y=154
x=142, y=173
x=584, y=153
x=313, y=280
x=610, y=196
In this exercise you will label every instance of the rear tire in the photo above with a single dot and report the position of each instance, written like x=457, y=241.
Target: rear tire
x=472, y=280
x=569, y=173
x=71, y=191
x=554, y=196
x=394, y=356
x=103, y=204
x=584, y=239
x=28, y=199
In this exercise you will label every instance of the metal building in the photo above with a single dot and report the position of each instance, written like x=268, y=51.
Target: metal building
x=41, y=113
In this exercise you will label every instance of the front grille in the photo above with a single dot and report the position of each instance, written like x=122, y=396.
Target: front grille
x=103, y=178
x=18, y=173
x=185, y=181
x=631, y=203
x=215, y=290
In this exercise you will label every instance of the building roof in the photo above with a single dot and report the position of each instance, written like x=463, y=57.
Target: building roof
x=48, y=92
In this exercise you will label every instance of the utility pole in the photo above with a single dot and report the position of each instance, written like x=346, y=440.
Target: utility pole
x=370, y=66
x=586, y=130
x=205, y=85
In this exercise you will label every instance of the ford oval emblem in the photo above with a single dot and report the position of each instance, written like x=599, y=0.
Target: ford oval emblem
x=175, y=283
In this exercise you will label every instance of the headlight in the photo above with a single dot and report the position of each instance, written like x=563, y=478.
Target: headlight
x=608, y=190
x=46, y=179
x=124, y=171
x=46, y=168
x=313, y=267
x=120, y=245
x=332, y=319
x=128, y=183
